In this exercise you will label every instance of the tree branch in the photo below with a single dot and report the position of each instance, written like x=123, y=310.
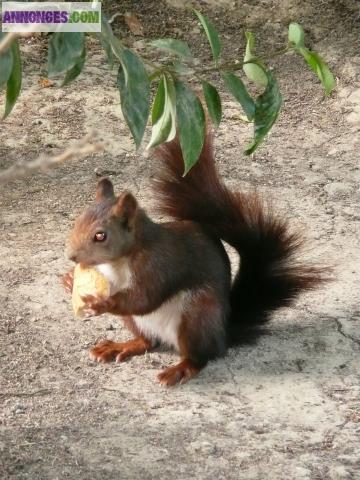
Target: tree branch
x=84, y=147
x=10, y=37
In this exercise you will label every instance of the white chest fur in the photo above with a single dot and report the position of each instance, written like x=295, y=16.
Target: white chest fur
x=163, y=323
x=117, y=273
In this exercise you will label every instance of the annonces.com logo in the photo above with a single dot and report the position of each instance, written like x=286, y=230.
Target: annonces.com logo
x=22, y=17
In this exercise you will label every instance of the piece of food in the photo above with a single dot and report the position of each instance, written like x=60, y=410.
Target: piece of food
x=87, y=281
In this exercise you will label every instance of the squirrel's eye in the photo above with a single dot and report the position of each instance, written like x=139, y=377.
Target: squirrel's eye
x=100, y=236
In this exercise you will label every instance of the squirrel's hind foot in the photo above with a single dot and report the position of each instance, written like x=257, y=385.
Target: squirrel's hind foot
x=180, y=373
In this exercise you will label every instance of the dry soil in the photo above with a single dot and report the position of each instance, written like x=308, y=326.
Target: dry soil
x=288, y=408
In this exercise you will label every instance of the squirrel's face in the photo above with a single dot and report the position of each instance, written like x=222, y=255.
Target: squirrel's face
x=105, y=231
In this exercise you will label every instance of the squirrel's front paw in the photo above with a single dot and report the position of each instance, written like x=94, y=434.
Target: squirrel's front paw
x=97, y=305
x=68, y=281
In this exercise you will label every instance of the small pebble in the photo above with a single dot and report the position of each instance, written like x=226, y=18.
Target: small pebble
x=19, y=409
x=337, y=189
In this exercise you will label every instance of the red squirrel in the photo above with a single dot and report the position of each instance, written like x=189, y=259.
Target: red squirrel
x=171, y=282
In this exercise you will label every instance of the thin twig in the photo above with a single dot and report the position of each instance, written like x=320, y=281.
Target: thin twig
x=226, y=66
x=43, y=391
x=84, y=147
x=10, y=37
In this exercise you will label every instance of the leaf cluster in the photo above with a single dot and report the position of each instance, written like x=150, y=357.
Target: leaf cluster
x=175, y=107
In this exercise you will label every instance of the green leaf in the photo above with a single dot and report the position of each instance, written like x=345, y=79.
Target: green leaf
x=106, y=38
x=76, y=70
x=6, y=64
x=174, y=46
x=252, y=70
x=134, y=87
x=318, y=65
x=267, y=108
x=107, y=48
x=236, y=86
x=211, y=34
x=213, y=102
x=163, y=114
x=13, y=85
x=158, y=106
x=296, y=35
x=65, y=51
x=313, y=59
x=106, y=30
x=191, y=124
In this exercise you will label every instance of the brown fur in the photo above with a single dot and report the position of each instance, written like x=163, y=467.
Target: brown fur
x=272, y=272
x=187, y=257
x=205, y=313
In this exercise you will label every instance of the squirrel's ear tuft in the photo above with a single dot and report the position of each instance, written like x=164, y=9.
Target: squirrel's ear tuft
x=104, y=190
x=125, y=208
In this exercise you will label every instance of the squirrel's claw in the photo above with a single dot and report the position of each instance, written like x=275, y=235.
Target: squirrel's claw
x=67, y=281
x=96, y=305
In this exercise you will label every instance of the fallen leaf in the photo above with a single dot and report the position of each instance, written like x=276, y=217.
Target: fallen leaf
x=134, y=24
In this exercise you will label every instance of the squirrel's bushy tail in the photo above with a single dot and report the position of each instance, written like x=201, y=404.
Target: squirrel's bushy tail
x=270, y=274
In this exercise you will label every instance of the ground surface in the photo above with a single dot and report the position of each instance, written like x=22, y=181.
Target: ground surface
x=288, y=408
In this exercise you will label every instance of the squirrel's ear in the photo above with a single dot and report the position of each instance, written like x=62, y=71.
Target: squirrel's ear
x=104, y=190
x=125, y=208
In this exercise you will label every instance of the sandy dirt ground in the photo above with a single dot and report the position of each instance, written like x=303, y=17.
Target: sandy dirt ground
x=287, y=408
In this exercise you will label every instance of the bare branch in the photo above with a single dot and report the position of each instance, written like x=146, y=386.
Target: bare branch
x=10, y=37
x=84, y=147
x=43, y=391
